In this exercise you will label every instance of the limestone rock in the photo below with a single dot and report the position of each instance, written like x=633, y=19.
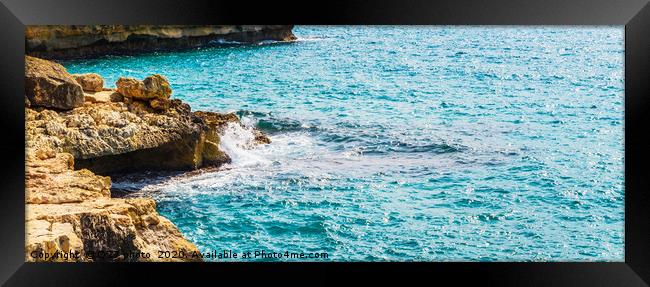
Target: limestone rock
x=71, y=211
x=48, y=84
x=108, y=137
x=74, y=41
x=90, y=82
x=213, y=155
x=52, y=180
x=104, y=96
x=127, y=227
x=260, y=137
x=139, y=107
x=151, y=87
x=103, y=129
x=44, y=237
x=160, y=104
x=217, y=122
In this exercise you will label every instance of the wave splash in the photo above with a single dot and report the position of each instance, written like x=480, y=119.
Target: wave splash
x=238, y=142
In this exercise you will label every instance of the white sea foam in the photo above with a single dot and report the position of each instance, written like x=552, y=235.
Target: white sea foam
x=224, y=42
x=310, y=39
x=237, y=141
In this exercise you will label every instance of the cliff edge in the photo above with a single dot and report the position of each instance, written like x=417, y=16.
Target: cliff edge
x=81, y=41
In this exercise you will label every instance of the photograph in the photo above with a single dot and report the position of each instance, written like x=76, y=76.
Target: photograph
x=324, y=143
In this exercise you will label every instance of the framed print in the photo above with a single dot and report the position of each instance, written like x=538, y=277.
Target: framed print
x=497, y=143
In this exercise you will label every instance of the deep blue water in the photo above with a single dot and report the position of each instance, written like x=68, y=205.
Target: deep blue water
x=405, y=143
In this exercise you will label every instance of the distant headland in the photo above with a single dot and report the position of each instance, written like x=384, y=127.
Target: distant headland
x=87, y=41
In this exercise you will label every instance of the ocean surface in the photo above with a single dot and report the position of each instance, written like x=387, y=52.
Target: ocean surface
x=394, y=143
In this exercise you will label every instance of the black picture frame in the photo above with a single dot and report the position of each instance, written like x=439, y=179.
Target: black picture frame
x=634, y=14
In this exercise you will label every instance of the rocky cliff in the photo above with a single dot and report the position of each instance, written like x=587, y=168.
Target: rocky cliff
x=75, y=41
x=70, y=212
x=76, y=129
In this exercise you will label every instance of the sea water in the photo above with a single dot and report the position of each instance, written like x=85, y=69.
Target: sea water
x=395, y=143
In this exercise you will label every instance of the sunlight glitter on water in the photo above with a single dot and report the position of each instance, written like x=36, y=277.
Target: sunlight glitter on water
x=405, y=143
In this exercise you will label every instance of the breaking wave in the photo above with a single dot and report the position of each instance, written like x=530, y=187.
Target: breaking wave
x=238, y=142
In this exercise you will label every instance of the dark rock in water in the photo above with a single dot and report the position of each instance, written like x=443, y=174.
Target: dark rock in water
x=48, y=84
x=260, y=137
x=87, y=41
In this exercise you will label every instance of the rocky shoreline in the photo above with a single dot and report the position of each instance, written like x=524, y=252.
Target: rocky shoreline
x=87, y=41
x=76, y=129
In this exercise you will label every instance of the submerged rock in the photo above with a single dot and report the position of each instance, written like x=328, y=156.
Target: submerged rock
x=90, y=82
x=48, y=84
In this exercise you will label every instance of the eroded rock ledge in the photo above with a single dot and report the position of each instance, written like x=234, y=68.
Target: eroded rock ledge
x=80, y=41
x=71, y=211
x=134, y=128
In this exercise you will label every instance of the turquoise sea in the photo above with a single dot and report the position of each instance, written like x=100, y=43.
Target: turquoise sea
x=396, y=143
